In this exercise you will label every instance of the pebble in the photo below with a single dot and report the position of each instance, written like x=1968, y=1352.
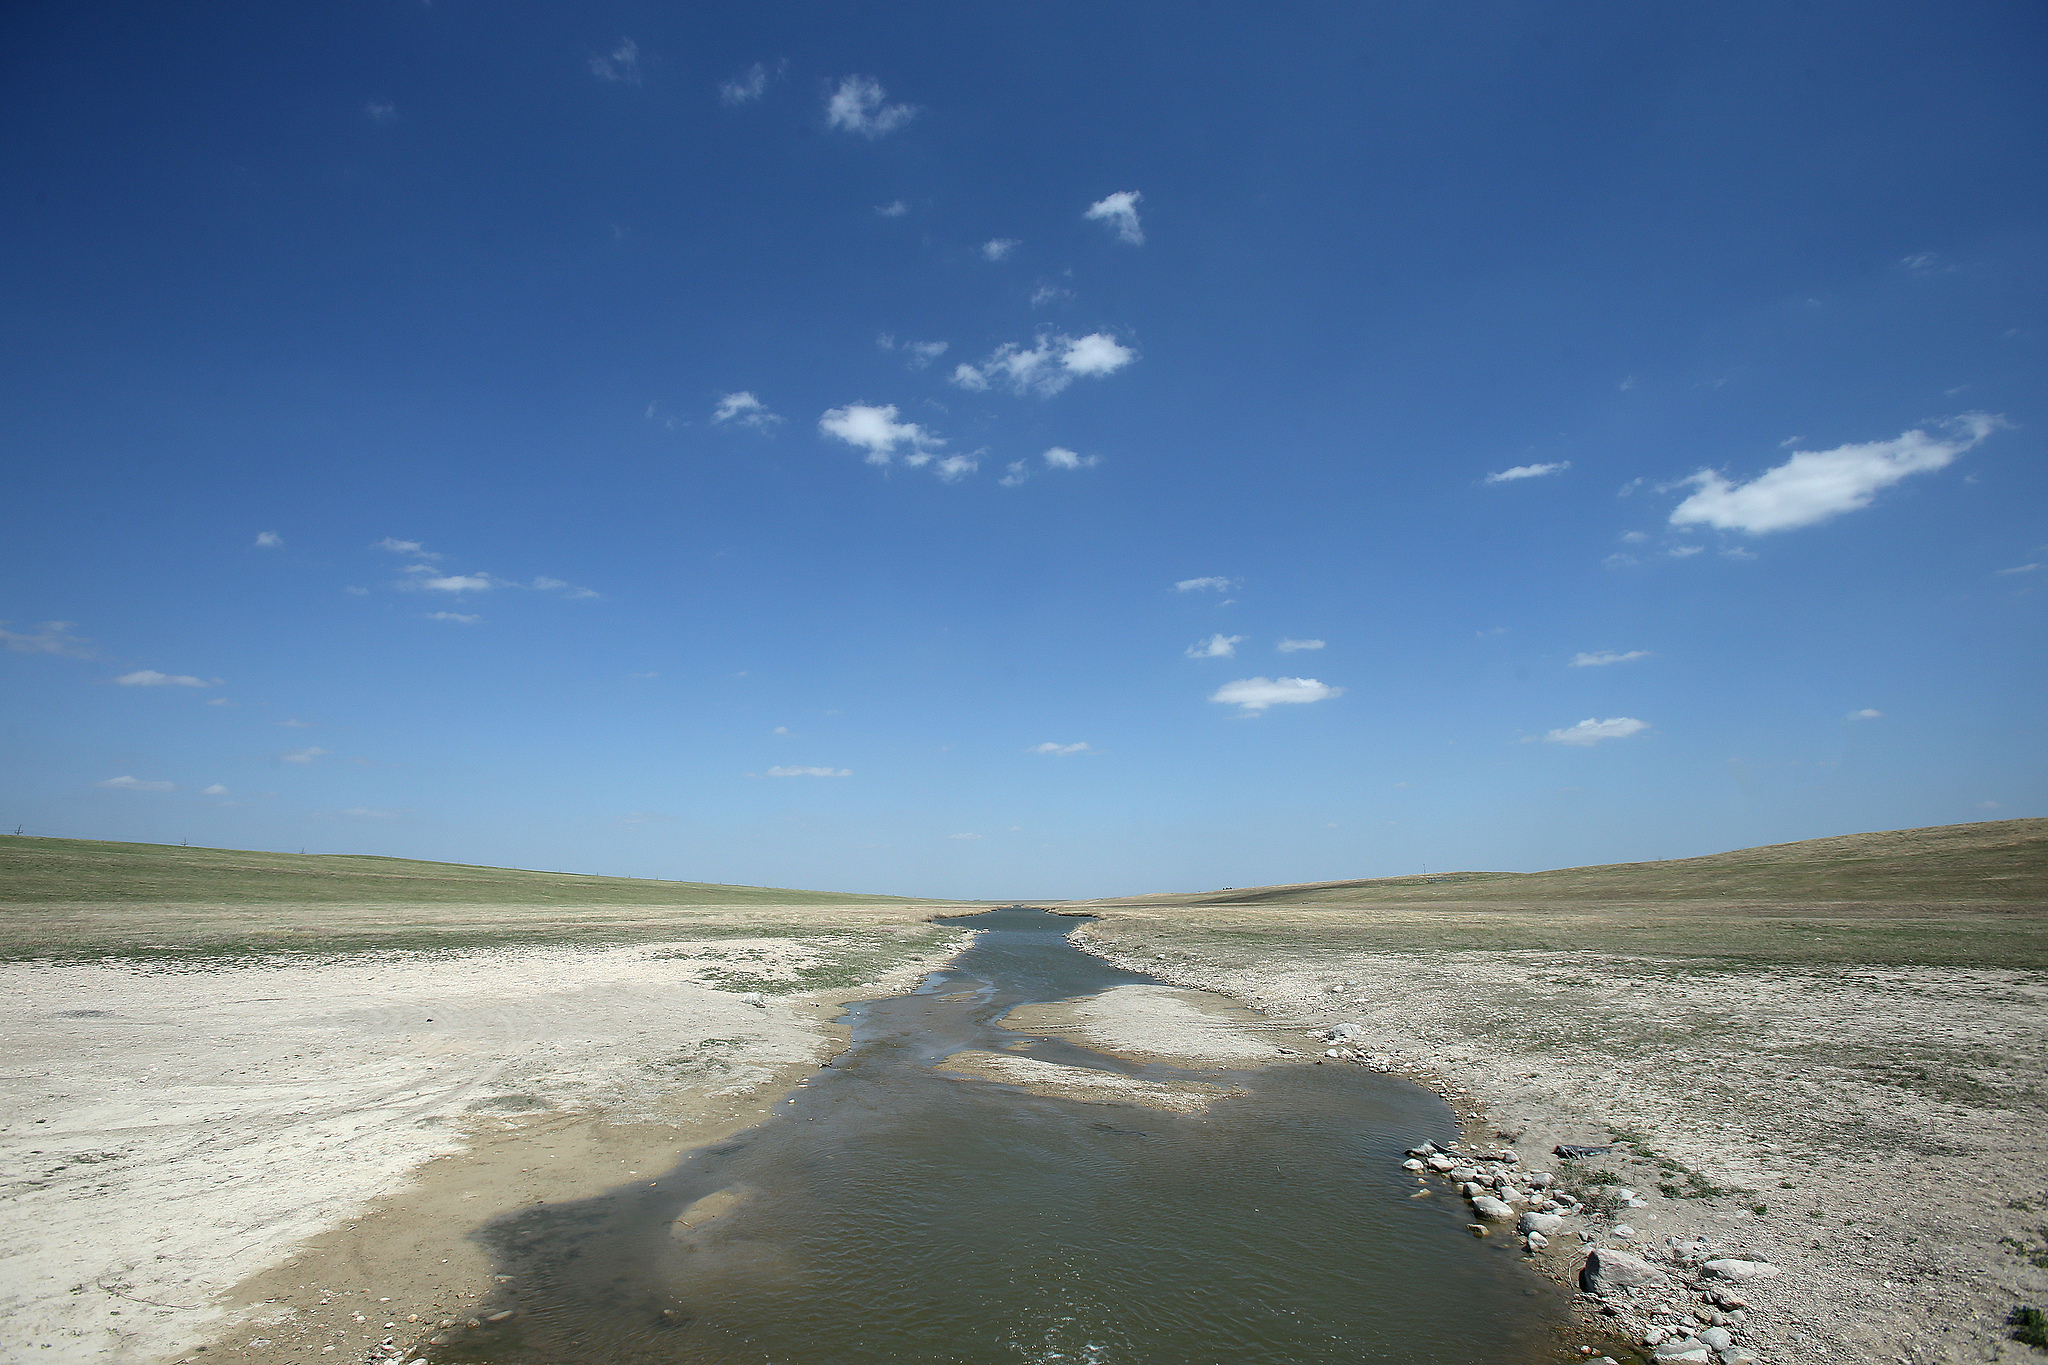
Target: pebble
x=754, y=998
x=1623, y=1231
x=1742, y=1272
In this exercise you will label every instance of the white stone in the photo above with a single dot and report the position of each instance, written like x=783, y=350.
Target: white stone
x=1742, y=1271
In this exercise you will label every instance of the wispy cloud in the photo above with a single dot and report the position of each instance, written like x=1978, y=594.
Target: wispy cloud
x=1292, y=646
x=50, y=638
x=964, y=837
x=405, y=547
x=923, y=353
x=805, y=772
x=383, y=113
x=2017, y=568
x=954, y=468
x=1058, y=750
x=1253, y=695
x=136, y=784
x=1528, y=471
x=1059, y=457
x=1589, y=732
x=996, y=248
x=458, y=583
x=746, y=87
x=305, y=755
x=1048, y=365
x=875, y=429
x=742, y=409
x=895, y=208
x=1211, y=584
x=149, y=677
x=293, y=724
x=621, y=64
x=1215, y=647
x=1817, y=485
x=563, y=589
x=268, y=540
x=1607, y=656
x=215, y=790
x=1120, y=212
x=1867, y=713
x=859, y=105
x=461, y=617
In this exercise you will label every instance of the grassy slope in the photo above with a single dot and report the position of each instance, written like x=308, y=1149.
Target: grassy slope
x=1996, y=861
x=81, y=871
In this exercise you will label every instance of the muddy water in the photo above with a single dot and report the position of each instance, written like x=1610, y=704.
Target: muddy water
x=888, y=1213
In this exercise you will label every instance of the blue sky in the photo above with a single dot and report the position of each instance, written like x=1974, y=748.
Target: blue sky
x=1023, y=451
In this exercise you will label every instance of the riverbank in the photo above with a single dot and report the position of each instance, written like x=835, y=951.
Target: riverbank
x=1876, y=1131
x=251, y=1152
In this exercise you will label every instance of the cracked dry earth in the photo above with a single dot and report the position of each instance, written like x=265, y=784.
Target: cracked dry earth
x=1875, y=1131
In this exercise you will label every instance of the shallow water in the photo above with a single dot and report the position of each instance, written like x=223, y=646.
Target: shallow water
x=893, y=1214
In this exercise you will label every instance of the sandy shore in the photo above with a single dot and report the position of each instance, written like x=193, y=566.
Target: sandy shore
x=1876, y=1132
x=274, y=1157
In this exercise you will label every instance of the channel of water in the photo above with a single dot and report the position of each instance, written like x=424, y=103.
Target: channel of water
x=891, y=1213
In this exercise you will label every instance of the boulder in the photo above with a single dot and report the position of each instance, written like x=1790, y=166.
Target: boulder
x=1411, y=1164
x=754, y=998
x=1684, y=1351
x=1439, y=1162
x=1535, y=1241
x=1623, y=1231
x=1345, y=1033
x=1718, y=1338
x=1545, y=1223
x=1742, y=1272
x=1491, y=1209
x=1609, y=1268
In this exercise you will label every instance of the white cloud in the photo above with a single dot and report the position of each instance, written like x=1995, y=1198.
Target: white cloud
x=746, y=87
x=785, y=731
x=1588, y=732
x=136, y=784
x=858, y=106
x=1291, y=646
x=1058, y=750
x=807, y=772
x=2018, y=568
x=1059, y=457
x=50, y=638
x=1685, y=551
x=876, y=430
x=149, y=677
x=465, y=619
x=1049, y=293
x=1014, y=473
x=954, y=468
x=405, y=547
x=1256, y=694
x=268, y=540
x=293, y=724
x=383, y=113
x=556, y=587
x=306, y=755
x=1607, y=656
x=215, y=790
x=1205, y=585
x=1634, y=537
x=895, y=208
x=219, y=701
x=923, y=353
x=1814, y=486
x=1528, y=471
x=367, y=813
x=1120, y=211
x=1867, y=713
x=1050, y=364
x=621, y=64
x=742, y=409
x=963, y=836
x=1215, y=647
x=462, y=582
x=998, y=247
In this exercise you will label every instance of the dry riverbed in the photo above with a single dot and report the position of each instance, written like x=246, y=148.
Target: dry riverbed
x=1874, y=1132
x=281, y=1157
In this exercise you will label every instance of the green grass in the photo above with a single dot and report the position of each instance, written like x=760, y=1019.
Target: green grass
x=1996, y=860
x=84, y=871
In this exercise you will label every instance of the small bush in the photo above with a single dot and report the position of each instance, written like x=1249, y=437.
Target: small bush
x=2028, y=1325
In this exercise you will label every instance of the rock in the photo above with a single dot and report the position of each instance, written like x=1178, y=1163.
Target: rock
x=1471, y=1189
x=1608, y=1268
x=1509, y=1157
x=1491, y=1209
x=1656, y=1336
x=1539, y=1180
x=1462, y=1174
x=1545, y=1223
x=1735, y=1355
x=1440, y=1162
x=754, y=998
x=1570, y=1152
x=1512, y=1195
x=1683, y=1351
x=1623, y=1231
x=1478, y=1229
x=1718, y=1338
x=1742, y=1272
x=500, y=1315
x=1411, y=1164
x=1345, y=1033
x=1535, y=1241
x=1425, y=1150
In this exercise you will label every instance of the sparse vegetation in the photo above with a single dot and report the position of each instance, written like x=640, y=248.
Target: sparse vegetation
x=2029, y=1326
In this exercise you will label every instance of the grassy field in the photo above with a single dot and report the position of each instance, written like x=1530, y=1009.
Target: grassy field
x=1998, y=860
x=67, y=899
x=1965, y=895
